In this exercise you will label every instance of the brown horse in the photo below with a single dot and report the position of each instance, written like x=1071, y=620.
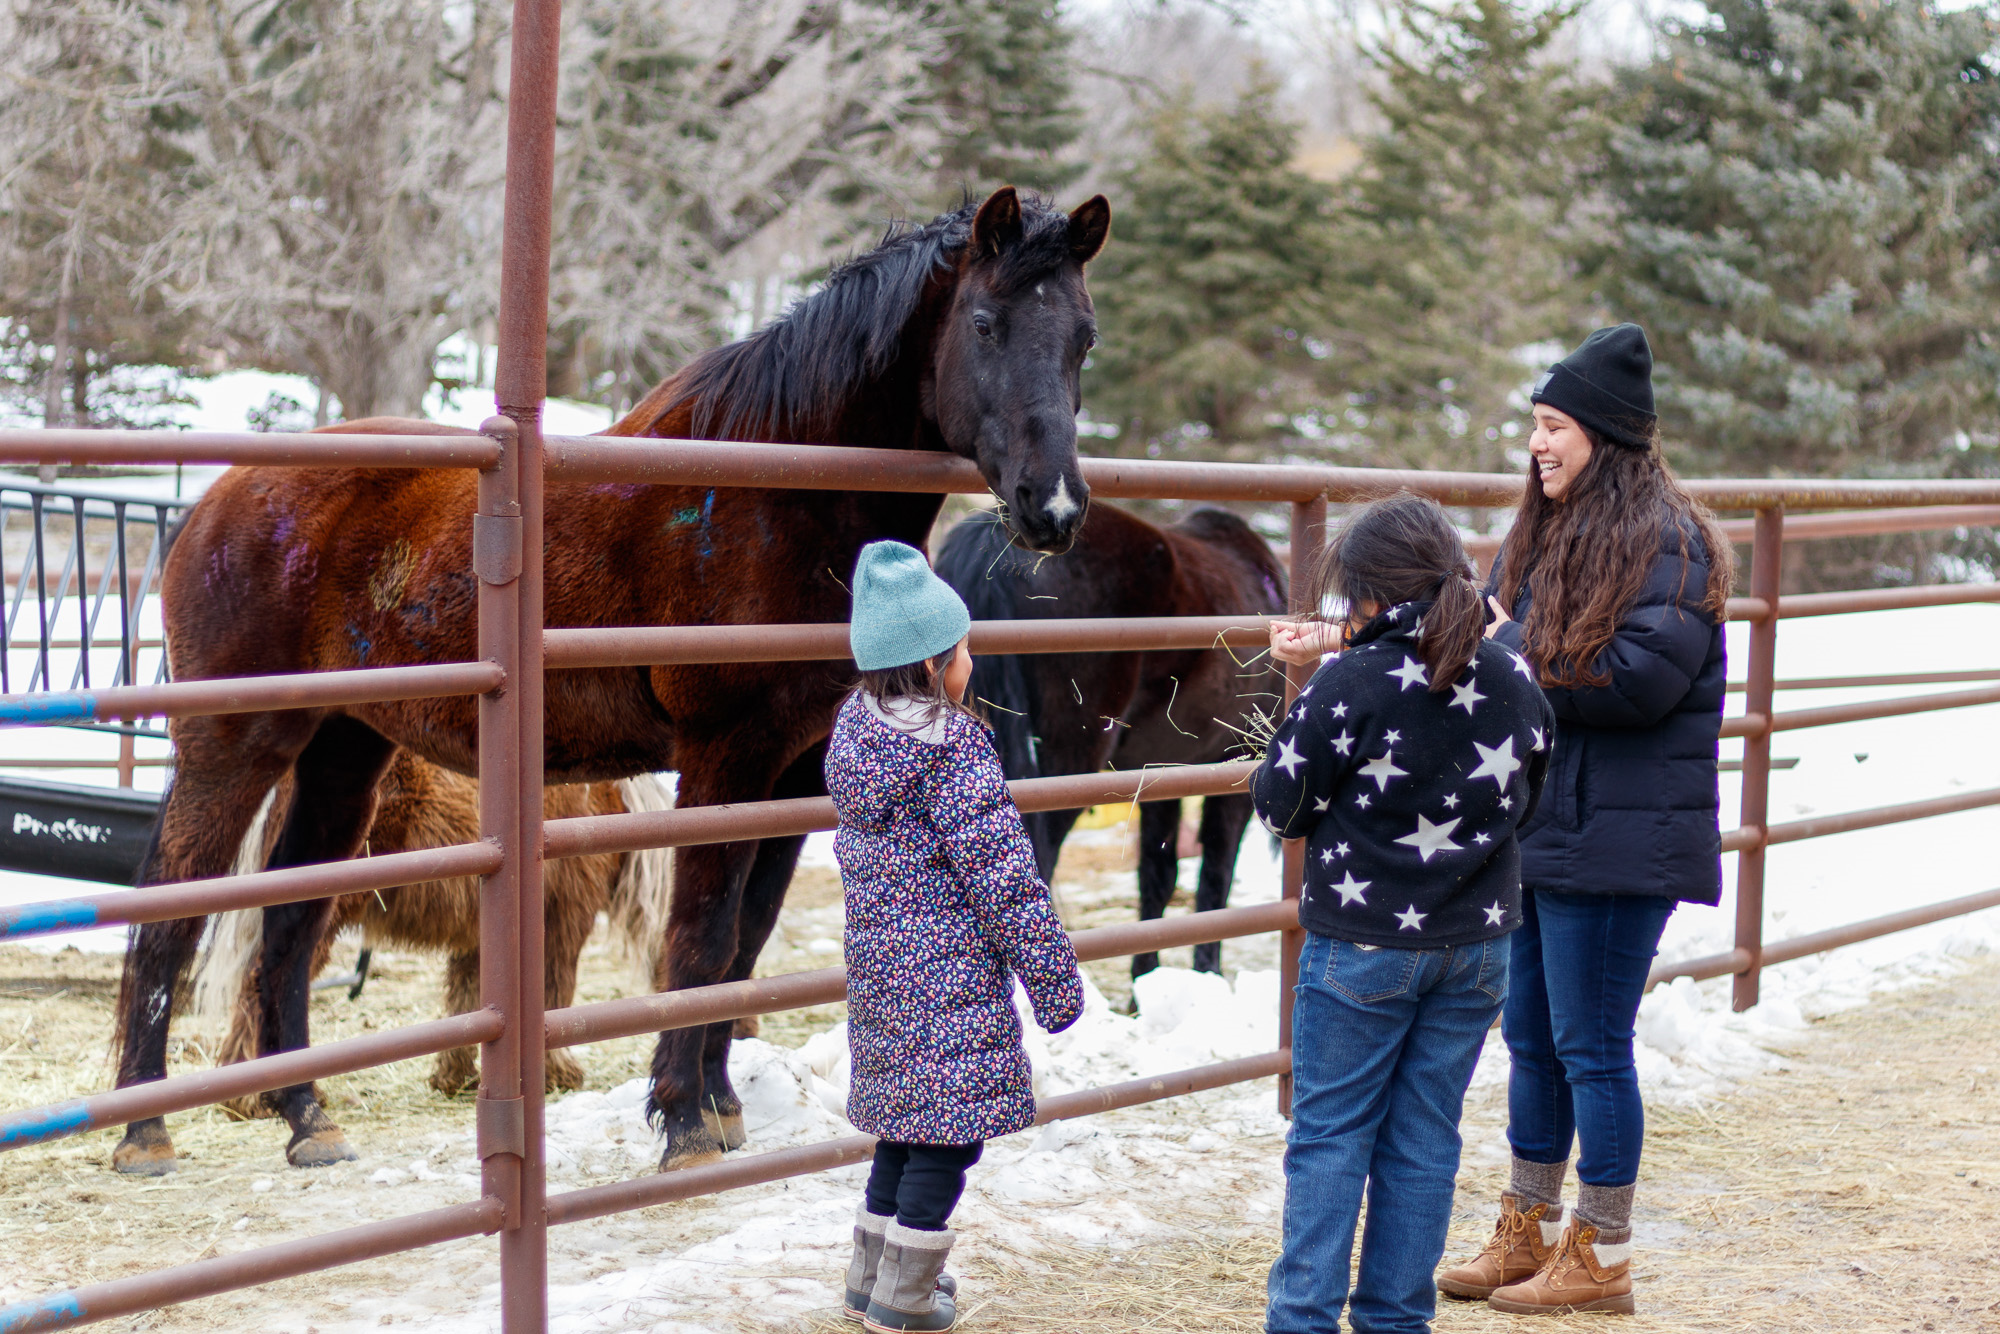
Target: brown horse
x=423, y=806
x=1074, y=713
x=966, y=334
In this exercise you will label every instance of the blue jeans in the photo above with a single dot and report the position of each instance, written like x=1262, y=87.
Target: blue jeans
x=1383, y=1045
x=1579, y=968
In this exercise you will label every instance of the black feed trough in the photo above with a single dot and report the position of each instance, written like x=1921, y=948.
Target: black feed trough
x=83, y=833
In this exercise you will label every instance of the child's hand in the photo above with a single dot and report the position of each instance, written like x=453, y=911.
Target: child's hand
x=1500, y=617
x=1303, y=643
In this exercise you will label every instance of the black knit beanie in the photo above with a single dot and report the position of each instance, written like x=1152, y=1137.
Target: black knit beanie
x=1606, y=384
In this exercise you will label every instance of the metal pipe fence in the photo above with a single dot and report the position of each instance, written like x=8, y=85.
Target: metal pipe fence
x=516, y=464
x=515, y=1035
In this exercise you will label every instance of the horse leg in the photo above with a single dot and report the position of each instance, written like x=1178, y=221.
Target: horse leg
x=208, y=810
x=1047, y=830
x=332, y=810
x=757, y=914
x=1159, y=867
x=456, y=1070
x=571, y=913
x=1223, y=820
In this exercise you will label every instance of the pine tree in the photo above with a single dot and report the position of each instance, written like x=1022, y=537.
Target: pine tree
x=1208, y=296
x=1004, y=86
x=1457, y=235
x=1809, y=227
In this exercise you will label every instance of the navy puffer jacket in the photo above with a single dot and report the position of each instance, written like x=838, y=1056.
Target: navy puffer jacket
x=1631, y=800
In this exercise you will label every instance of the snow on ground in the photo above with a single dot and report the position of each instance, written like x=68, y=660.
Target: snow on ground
x=778, y=1249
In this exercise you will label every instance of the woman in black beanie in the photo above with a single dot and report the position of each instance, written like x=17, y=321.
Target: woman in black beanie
x=1611, y=585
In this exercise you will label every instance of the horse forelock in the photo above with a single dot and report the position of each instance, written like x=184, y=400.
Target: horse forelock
x=796, y=376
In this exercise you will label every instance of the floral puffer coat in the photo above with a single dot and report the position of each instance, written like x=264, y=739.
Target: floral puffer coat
x=943, y=908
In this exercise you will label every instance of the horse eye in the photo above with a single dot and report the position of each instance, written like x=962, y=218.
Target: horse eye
x=982, y=323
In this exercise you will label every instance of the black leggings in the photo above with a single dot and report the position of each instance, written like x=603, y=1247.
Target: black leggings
x=919, y=1183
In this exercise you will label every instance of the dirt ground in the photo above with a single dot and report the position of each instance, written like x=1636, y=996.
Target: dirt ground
x=1855, y=1189
x=1858, y=1188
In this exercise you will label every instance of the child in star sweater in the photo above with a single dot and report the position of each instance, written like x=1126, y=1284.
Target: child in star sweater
x=1406, y=764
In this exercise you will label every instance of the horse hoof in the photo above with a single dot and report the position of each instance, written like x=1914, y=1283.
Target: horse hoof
x=148, y=1158
x=322, y=1148
x=726, y=1127
x=694, y=1149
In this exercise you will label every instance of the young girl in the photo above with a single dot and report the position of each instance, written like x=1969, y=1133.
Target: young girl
x=1406, y=764
x=944, y=909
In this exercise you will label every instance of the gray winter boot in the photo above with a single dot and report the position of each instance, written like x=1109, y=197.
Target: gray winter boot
x=907, y=1295
x=868, y=1233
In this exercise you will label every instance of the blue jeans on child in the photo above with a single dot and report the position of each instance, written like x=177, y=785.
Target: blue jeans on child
x=1579, y=970
x=1383, y=1046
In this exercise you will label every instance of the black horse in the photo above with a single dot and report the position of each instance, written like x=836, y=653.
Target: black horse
x=1074, y=713
x=965, y=335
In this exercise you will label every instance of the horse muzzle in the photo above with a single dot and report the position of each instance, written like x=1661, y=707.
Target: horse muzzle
x=1048, y=517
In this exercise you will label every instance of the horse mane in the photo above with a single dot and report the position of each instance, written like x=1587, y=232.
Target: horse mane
x=791, y=379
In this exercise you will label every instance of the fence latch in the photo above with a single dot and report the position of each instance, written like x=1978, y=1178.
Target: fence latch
x=502, y=1127
x=496, y=547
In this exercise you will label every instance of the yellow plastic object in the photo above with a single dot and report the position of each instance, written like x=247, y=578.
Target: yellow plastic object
x=1105, y=817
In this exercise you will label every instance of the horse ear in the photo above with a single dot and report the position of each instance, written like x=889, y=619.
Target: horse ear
x=997, y=225
x=1089, y=228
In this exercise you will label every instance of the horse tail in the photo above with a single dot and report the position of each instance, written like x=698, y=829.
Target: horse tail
x=640, y=895
x=978, y=561
x=223, y=999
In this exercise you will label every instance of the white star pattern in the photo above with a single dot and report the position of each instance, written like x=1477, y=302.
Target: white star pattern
x=1451, y=801
x=1307, y=691
x=1392, y=736
x=1521, y=666
x=1320, y=804
x=1362, y=801
x=1506, y=803
x=1495, y=762
x=1344, y=743
x=1326, y=856
x=1482, y=837
x=1410, y=919
x=1432, y=838
x=1539, y=743
x=1340, y=709
x=1411, y=673
x=1350, y=890
x=1495, y=915
x=1382, y=768
x=1288, y=759
x=1340, y=849
x=1466, y=694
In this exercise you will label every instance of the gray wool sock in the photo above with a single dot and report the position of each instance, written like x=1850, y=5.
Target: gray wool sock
x=1539, y=1183
x=1608, y=1209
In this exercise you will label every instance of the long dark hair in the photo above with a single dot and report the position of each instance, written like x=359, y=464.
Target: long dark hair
x=1404, y=549
x=922, y=681
x=1589, y=555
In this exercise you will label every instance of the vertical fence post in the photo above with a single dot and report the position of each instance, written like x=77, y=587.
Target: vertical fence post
x=496, y=559
x=520, y=383
x=1767, y=555
x=1308, y=532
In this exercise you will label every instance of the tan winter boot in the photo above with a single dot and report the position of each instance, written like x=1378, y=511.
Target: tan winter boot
x=1573, y=1279
x=1514, y=1252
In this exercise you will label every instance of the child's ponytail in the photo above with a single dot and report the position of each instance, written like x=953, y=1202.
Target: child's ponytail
x=1405, y=549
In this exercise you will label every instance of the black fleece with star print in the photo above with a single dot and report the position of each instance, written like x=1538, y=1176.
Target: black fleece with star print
x=1409, y=801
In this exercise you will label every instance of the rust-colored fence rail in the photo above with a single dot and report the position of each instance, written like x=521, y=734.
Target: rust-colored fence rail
x=515, y=463
x=514, y=1033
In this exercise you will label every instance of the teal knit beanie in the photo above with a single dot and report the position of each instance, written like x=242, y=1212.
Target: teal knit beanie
x=902, y=612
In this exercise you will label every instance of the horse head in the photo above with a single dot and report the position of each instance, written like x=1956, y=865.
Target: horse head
x=1003, y=381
